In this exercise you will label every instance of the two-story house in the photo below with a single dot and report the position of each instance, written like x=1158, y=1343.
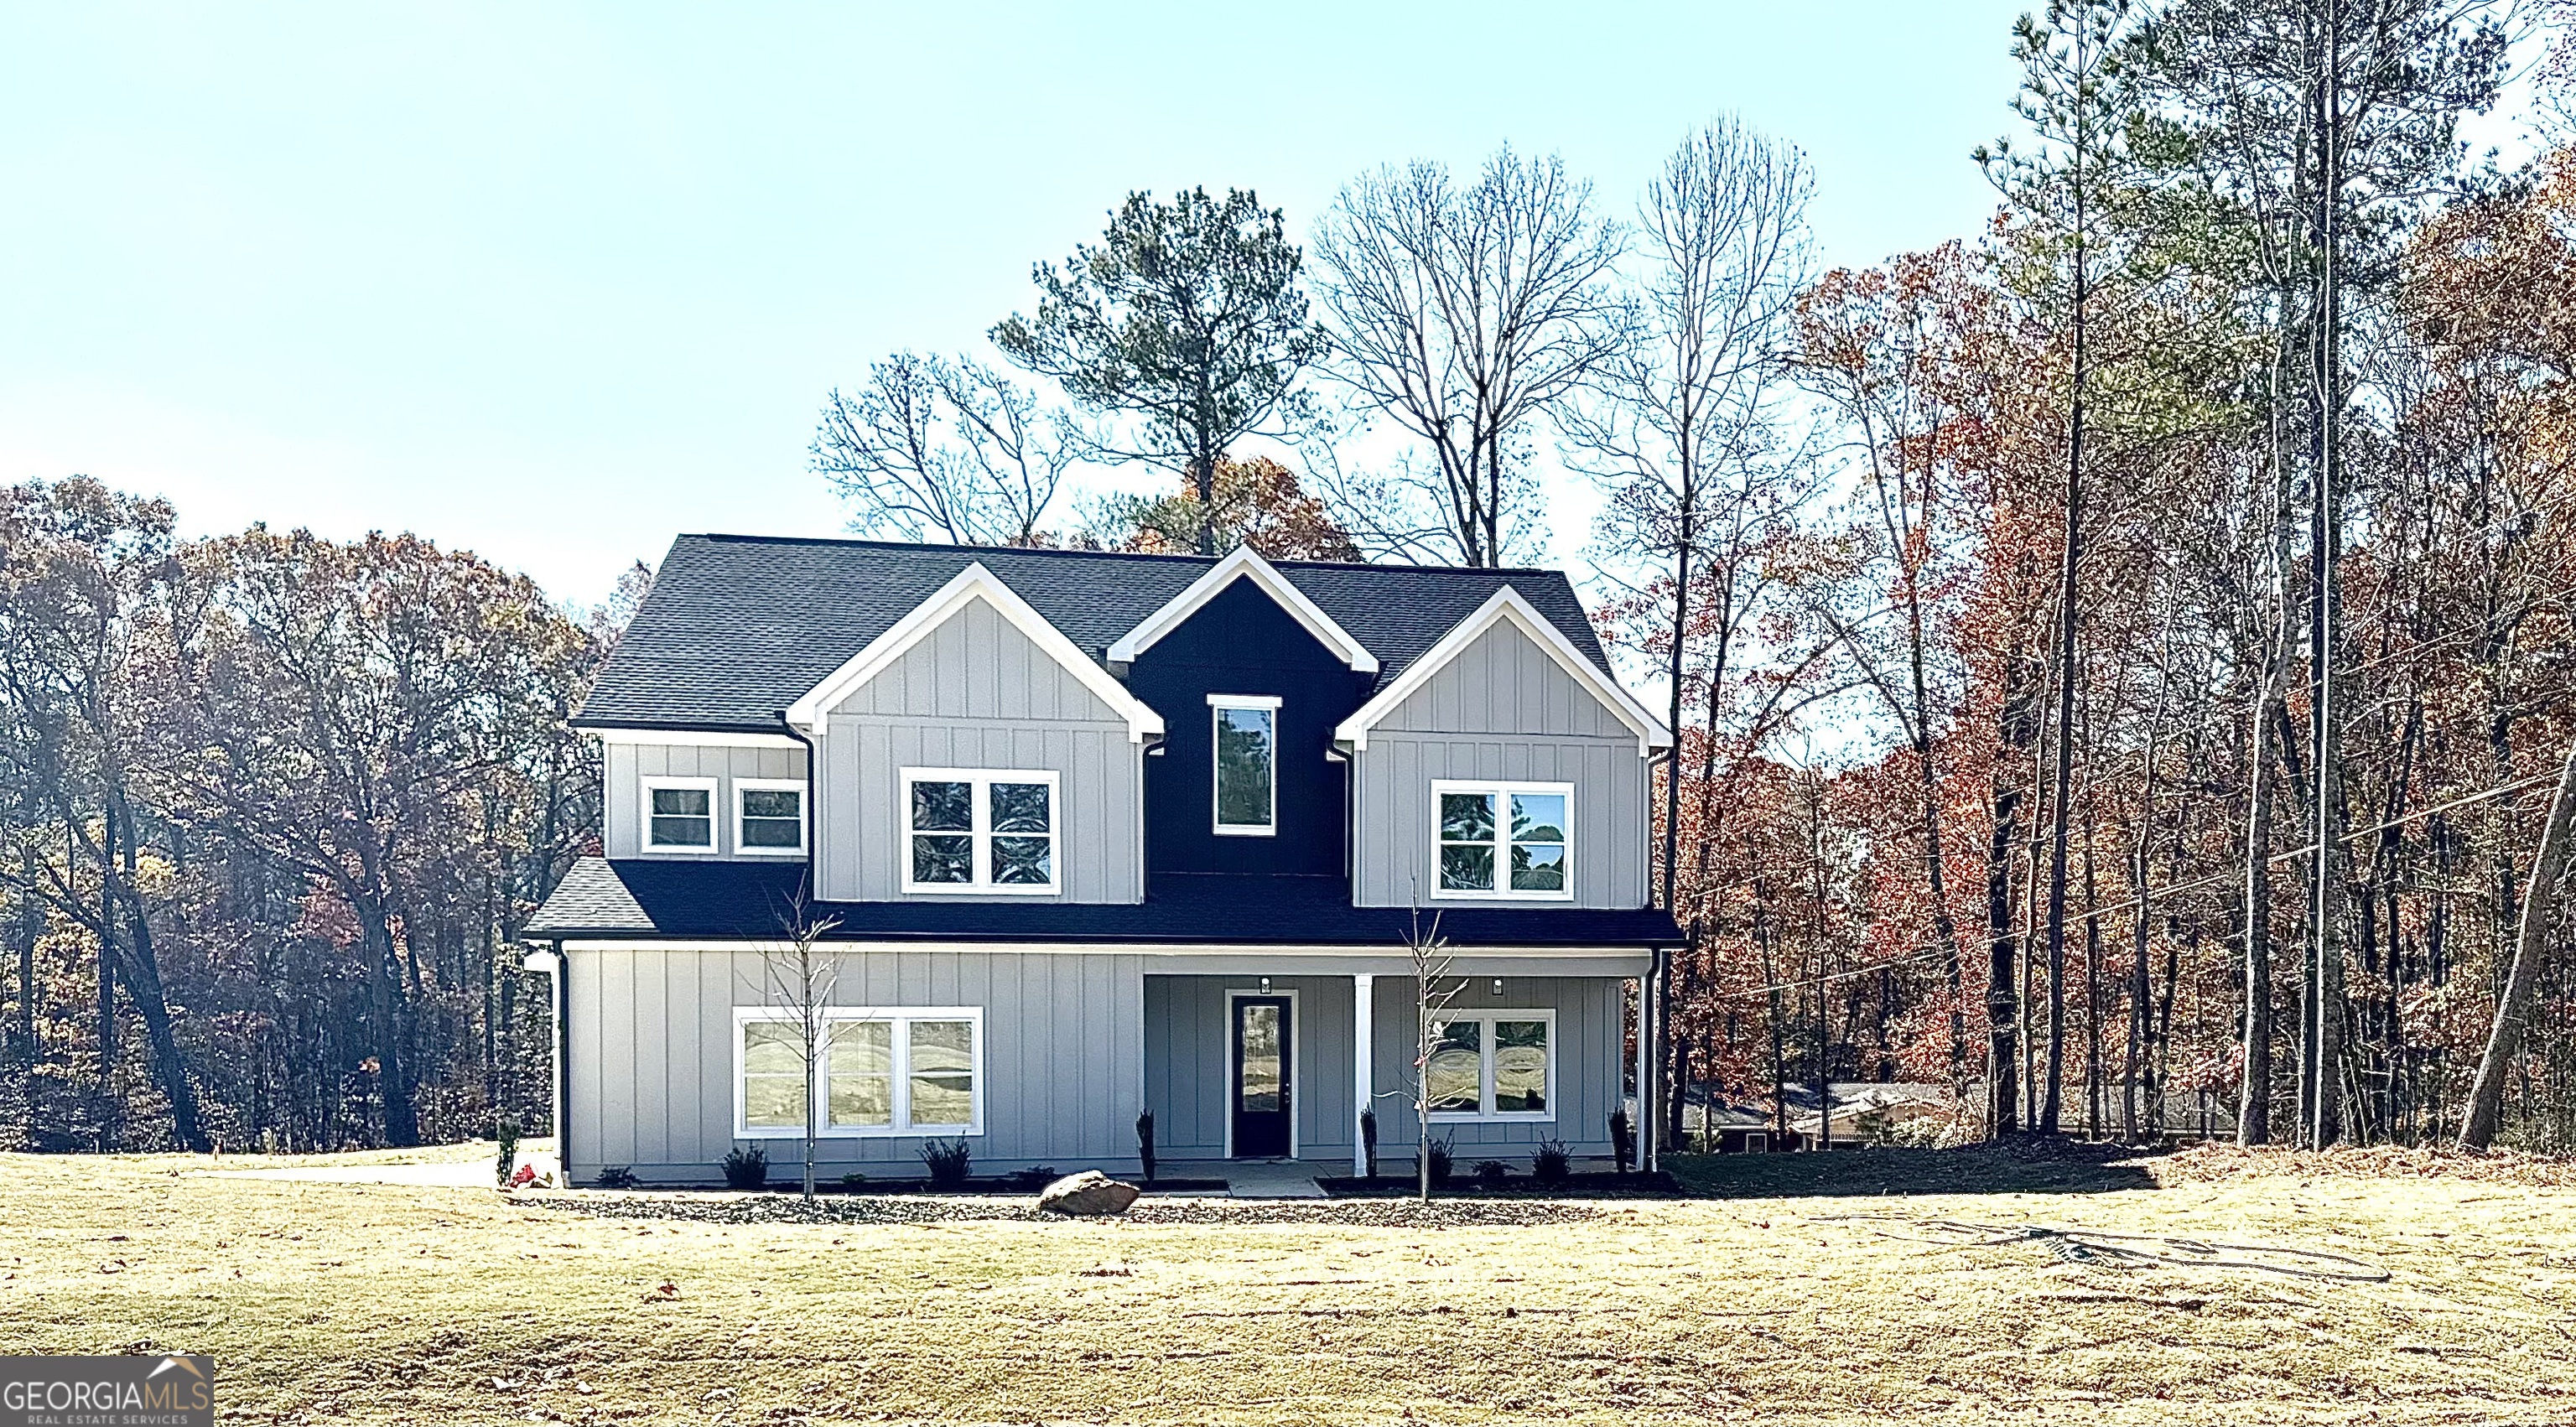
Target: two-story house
x=1095, y=834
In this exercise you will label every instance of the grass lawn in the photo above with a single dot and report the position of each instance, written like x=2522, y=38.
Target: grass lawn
x=1765, y=1301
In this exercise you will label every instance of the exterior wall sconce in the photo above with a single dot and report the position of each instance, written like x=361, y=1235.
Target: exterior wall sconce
x=1498, y=986
x=1265, y=985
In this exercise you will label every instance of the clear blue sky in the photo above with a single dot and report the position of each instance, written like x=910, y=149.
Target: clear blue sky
x=554, y=283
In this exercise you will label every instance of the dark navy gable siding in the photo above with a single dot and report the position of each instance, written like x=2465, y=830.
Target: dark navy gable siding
x=1242, y=642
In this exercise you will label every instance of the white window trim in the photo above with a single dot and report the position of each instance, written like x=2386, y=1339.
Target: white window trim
x=1217, y=705
x=1485, y=1113
x=817, y=1074
x=983, y=779
x=712, y=787
x=741, y=845
x=1501, y=890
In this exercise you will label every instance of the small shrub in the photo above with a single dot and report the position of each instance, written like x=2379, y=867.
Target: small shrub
x=1368, y=1139
x=746, y=1168
x=1030, y=1181
x=1440, y=1161
x=615, y=1177
x=1490, y=1172
x=1145, y=1143
x=1623, y=1139
x=506, y=1134
x=854, y=1180
x=947, y=1161
x=1552, y=1165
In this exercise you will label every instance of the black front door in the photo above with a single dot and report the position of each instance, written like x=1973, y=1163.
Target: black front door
x=1261, y=1074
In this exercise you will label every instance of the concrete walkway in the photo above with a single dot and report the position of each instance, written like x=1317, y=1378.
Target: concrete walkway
x=1270, y=1179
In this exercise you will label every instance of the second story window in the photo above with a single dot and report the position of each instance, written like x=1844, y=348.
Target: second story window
x=769, y=817
x=679, y=814
x=1247, y=763
x=979, y=830
x=1504, y=839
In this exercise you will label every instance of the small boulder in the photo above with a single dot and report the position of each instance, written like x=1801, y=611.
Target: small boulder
x=1087, y=1193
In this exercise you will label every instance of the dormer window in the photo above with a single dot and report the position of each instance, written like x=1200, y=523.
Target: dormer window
x=769, y=817
x=979, y=830
x=1247, y=763
x=680, y=814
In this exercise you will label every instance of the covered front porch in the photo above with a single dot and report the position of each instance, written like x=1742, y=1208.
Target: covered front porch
x=1252, y=1059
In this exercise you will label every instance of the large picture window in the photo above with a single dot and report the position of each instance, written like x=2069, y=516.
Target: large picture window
x=912, y=1071
x=679, y=815
x=1247, y=764
x=1504, y=839
x=1498, y=1065
x=979, y=830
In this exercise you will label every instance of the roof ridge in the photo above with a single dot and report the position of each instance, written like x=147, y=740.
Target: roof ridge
x=864, y=542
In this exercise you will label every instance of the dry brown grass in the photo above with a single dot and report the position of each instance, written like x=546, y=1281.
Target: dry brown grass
x=376, y=1303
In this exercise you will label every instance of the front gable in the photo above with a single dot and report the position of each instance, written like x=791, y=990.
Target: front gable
x=1506, y=670
x=1012, y=665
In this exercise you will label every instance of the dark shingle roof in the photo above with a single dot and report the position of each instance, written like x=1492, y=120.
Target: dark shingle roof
x=739, y=626
x=647, y=898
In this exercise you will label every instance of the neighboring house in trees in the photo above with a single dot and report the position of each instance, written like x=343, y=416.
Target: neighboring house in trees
x=1096, y=834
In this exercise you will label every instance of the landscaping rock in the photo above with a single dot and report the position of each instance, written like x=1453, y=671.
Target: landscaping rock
x=1087, y=1193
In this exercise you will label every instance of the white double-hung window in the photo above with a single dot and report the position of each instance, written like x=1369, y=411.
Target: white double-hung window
x=979, y=830
x=679, y=814
x=768, y=817
x=1497, y=1065
x=1511, y=840
x=1247, y=763
x=900, y=1071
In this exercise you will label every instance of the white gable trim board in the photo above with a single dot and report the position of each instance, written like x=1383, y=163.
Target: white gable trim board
x=1507, y=606
x=1243, y=564
x=974, y=583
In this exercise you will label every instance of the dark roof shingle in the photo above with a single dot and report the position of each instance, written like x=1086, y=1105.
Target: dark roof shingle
x=649, y=898
x=738, y=627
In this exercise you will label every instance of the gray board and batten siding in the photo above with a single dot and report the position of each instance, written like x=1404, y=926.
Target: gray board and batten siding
x=1188, y=1047
x=1501, y=711
x=625, y=766
x=1075, y=1044
x=653, y=1056
x=977, y=693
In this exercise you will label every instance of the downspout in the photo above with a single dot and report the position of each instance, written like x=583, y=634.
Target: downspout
x=563, y=1065
x=813, y=809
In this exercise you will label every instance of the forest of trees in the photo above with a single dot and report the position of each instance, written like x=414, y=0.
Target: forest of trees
x=2032, y=611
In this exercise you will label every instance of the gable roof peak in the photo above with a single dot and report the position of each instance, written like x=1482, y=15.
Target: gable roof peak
x=1508, y=606
x=1244, y=563
x=971, y=584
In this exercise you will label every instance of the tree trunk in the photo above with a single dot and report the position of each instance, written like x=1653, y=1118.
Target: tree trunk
x=2539, y=907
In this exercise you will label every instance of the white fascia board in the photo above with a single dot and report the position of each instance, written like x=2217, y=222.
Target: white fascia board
x=974, y=583
x=1243, y=564
x=693, y=738
x=1507, y=605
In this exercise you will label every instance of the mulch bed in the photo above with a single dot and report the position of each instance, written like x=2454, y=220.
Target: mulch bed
x=946, y=1209
x=1658, y=1185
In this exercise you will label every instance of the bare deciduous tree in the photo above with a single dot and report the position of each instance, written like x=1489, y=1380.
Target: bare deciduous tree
x=948, y=448
x=1462, y=313
x=801, y=976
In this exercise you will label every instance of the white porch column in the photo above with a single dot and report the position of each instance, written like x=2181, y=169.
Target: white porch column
x=1644, y=1125
x=1363, y=1073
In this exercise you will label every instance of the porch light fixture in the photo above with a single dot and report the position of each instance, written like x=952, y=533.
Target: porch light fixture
x=1265, y=985
x=1498, y=986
